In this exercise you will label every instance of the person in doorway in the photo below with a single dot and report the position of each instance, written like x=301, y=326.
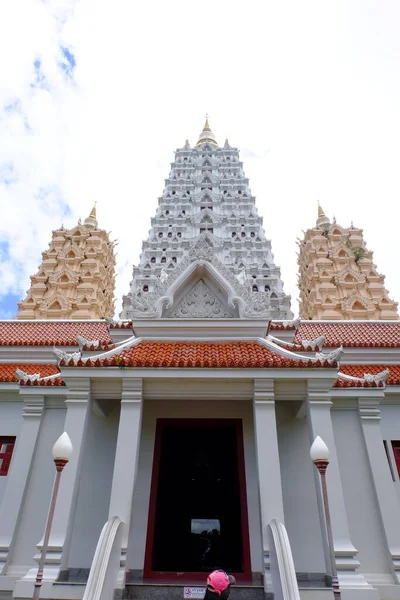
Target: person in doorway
x=219, y=585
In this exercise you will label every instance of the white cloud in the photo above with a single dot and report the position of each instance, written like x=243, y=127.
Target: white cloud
x=309, y=89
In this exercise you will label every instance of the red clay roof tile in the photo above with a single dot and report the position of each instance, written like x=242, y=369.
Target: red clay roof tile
x=51, y=333
x=356, y=335
x=199, y=354
x=7, y=371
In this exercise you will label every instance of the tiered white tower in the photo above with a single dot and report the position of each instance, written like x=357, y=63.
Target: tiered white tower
x=207, y=196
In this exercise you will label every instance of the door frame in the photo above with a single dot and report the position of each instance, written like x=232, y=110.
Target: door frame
x=148, y=573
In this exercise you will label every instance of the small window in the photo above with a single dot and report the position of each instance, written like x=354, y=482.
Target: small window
x=267, y=288
x=145, y=288
x=233, y=233
x=170, y=234
x=167, y=212
x=255, y=288
x=174, y=259
x=252, y=234
x=184, y=212
x=163, y=259
x=153, y=259
x=6, y=449
x=160, y=234
x=243, y=234
x=179, y=234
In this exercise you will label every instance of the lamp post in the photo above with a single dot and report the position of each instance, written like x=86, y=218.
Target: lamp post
x=62, y=451
x=319, y=453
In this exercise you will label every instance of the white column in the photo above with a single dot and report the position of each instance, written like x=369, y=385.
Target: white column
x=19, y=472
x=126, y=455
x=320, y=423
x=78, y=403
x=269, y=471
x=384, y=488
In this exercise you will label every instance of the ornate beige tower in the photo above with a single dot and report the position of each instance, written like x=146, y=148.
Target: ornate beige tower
x=337, y=276
x=76, y=277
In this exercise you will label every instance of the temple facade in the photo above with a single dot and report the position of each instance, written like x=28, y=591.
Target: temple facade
x=76, y=277
x=337, y=276
x=191, y=421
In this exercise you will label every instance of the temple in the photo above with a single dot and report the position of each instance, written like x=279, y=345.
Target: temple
x=337, y=276
x=191, y=418
x=76, y=277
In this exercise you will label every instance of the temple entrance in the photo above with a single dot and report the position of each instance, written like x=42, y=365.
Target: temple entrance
x=198, y=509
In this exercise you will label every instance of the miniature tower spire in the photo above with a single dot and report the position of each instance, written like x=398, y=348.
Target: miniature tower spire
x=337, y=276
x=207, y=136
x=322, y=218
x=76, y=277
x=91, y=220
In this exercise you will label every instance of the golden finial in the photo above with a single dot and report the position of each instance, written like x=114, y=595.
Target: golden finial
x=207, y=126
x=320, y=210
x=93, y=211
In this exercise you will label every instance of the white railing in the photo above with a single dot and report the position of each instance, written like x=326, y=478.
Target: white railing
x=283, y=573
x=106, y=562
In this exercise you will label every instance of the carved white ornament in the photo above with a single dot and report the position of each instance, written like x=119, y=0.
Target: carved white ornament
x=61, y=355
x=200, y=303
x=378, y=377
x=318, y=342
x=84, y=342
x=335, y=355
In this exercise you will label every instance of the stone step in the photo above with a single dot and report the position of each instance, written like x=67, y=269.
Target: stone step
x=146, y=591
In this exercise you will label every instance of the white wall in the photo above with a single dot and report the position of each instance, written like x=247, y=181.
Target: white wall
x=36, y=502
x=360, y=499
x=299, y=495
x=10, y=424
x=191, y=409
x=95, y=488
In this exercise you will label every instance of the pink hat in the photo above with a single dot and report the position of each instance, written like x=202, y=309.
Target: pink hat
x=218, y=581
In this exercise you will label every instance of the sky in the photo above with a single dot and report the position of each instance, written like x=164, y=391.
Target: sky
x=95, y=96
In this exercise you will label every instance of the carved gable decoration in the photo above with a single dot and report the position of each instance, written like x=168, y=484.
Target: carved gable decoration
x=185, y=288
x=200, y=303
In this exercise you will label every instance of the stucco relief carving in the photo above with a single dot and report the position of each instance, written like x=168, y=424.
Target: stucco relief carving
x=200, y=303
x=250, y=304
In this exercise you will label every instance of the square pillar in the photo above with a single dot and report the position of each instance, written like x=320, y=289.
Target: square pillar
x=19, y=472
x=320, y=423
x=269, y=472
x=387, y=501
x=78, y=403
x=126, y=456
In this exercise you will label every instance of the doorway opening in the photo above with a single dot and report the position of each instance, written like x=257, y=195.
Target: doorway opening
x=198, y=508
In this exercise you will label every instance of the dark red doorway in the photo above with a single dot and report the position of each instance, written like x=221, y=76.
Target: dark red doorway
x=198, y=507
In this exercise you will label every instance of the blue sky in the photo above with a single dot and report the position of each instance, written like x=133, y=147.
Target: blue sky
x=95, y=97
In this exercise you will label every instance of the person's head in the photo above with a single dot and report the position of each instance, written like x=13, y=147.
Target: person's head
x=218, y=585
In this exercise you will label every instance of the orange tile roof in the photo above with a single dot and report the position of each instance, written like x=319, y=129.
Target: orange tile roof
x=359, y=370
x=7, y=371
x=51, y=333
x=356, y=335
x=198, y=354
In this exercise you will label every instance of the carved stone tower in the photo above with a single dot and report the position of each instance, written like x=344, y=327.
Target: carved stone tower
x=207, y=203
x=337, y=276
x=76, y=277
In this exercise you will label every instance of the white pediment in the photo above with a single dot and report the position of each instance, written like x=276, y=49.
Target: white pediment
x=200, y=302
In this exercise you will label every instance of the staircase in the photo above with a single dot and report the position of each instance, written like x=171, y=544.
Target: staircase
x=143, y=591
